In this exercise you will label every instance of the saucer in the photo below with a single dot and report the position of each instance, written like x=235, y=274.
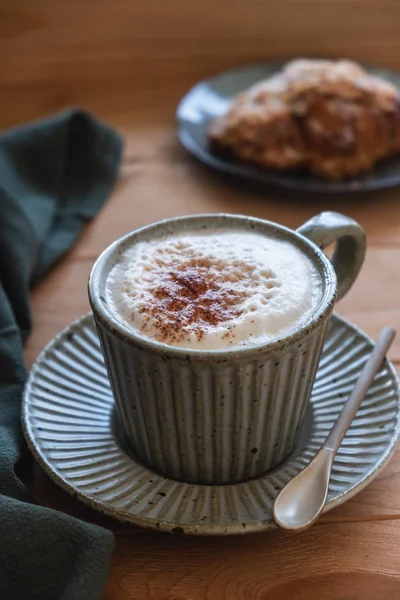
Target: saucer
x=68, y=421
x=212, y=97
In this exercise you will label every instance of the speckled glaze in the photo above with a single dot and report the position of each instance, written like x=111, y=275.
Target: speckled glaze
x=218, y=417
x=69, y=421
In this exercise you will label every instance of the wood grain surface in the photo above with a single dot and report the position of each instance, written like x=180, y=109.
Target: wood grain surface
x=152, y=42
x=130, y=62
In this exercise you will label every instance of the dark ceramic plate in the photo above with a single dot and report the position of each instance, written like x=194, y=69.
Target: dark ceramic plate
x=213, y=96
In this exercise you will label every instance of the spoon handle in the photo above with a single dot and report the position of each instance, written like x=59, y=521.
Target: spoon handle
x=360, y=390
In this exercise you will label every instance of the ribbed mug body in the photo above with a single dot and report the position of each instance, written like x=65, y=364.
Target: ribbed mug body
x=211, y=422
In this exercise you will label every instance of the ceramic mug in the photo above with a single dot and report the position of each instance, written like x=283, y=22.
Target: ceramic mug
x=221, y=416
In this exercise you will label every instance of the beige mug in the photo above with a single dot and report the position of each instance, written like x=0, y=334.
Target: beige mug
x=218, y=417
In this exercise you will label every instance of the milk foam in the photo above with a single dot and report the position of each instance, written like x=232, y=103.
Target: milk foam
x=214, y=290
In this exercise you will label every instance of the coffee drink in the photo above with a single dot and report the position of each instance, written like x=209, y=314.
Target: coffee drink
x=212, y=327
x=215, y=289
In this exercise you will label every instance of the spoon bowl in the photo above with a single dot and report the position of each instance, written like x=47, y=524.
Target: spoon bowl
x=303, y=499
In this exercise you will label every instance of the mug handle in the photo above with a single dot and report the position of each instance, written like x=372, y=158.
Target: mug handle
x=348, y=257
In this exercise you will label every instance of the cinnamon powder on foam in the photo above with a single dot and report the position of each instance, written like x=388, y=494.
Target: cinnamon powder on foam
x=213, y=290
x=191, y=297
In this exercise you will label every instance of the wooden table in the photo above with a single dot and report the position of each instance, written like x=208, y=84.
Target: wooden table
x=353, y=552
x=130, y=62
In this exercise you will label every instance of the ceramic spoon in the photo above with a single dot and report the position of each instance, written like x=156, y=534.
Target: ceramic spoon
x=301, y=501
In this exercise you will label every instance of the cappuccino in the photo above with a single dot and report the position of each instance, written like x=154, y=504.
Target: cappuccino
x=214, y=290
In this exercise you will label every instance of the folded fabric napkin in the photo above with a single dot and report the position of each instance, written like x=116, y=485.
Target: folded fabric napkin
x=54, y=177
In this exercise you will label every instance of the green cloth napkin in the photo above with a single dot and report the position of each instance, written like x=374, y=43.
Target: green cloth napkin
x=54, y=177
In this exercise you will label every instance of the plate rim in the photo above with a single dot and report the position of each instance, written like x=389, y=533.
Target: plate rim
x=251, y=173
x=175, y=526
